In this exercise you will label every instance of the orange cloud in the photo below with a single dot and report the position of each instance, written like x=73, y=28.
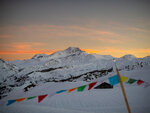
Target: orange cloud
x=119, y=52
x=29, y=52
x=104, y=51
x=91, y=51
x=23, y=49
x=23, y=46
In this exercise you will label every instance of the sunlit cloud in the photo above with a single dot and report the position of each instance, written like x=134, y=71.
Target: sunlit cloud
x=104, y=51
x=54, y=31
x=139, y=29
x=120, y=52
x=5, y=36
x=28, y=52
x=91, y=51
x=108, y=40
x=37, y=39
x=21, y=46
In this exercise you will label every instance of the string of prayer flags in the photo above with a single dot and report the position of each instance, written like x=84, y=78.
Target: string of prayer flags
x=61, y=91
x=10, y=102
x=139, y=82
x=70, y=90
x=146, y=84
x=131, y=81
x=113, y=80
x=81, y=88
x=20, y=99
x=91, y=85
x=124, y=79
x=41, y=97
x=29, y=98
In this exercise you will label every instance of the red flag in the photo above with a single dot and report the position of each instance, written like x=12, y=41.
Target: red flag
x=41, y=97
x=139, y=82
x=91, y=85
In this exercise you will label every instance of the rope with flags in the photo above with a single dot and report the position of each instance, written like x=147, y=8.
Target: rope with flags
x=113, y=80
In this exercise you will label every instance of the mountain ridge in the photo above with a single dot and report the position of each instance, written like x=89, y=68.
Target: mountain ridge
x=71, y=64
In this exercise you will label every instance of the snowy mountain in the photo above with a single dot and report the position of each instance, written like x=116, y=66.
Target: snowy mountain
x=71, y=64
x=129, y=57
x=7, y=69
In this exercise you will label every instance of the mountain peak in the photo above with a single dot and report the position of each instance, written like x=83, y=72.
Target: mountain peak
x=39, y=56
x=129, y=57
x=73, y=50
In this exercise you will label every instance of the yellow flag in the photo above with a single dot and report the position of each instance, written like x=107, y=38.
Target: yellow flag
x=124, y=79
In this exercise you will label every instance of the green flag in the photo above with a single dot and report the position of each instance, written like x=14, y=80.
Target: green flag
x=81, y=88
x=131, y=81
x=31, y=97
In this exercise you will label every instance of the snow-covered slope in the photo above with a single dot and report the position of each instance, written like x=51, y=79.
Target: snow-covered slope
x=6, y=70
x=71, y=64
x=93, y=101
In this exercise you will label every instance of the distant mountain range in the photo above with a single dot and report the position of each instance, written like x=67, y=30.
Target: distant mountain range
x=71, y=64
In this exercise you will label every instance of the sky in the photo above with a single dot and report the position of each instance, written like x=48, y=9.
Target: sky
x=105, y=27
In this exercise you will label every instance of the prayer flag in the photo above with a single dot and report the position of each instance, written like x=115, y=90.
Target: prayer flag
x=131, y=81
x=20, y=99
x=10, y=102
x=41, y=97
x=146, y=84
x=61, y=91
x=113, y=80
x=70, y=90
x=81, y=88
x=124, y=79
x=91, y=85
x=139, y=82
x=31, y=97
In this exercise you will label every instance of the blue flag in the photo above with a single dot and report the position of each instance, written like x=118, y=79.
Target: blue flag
x=113, y=80
x=10, y=102
x=61, y=91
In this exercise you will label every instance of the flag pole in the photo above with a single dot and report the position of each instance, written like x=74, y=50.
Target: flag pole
x=123, y=90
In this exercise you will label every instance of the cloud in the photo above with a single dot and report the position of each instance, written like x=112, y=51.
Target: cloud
x=109, y=40
x=26, y=45
x=104, y=51
x=119, y=52
x=91, y=50
x=28, y=52
x=5, y=36
x=35, y=39
x=137, y=29
x=24, y=48
x=57, y=31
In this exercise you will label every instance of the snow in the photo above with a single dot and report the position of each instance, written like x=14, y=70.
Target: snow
x=73, y=62
x=39, y=56
x=6, y=69
x=129, y=57
x=106, y=57
x=93, y=101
